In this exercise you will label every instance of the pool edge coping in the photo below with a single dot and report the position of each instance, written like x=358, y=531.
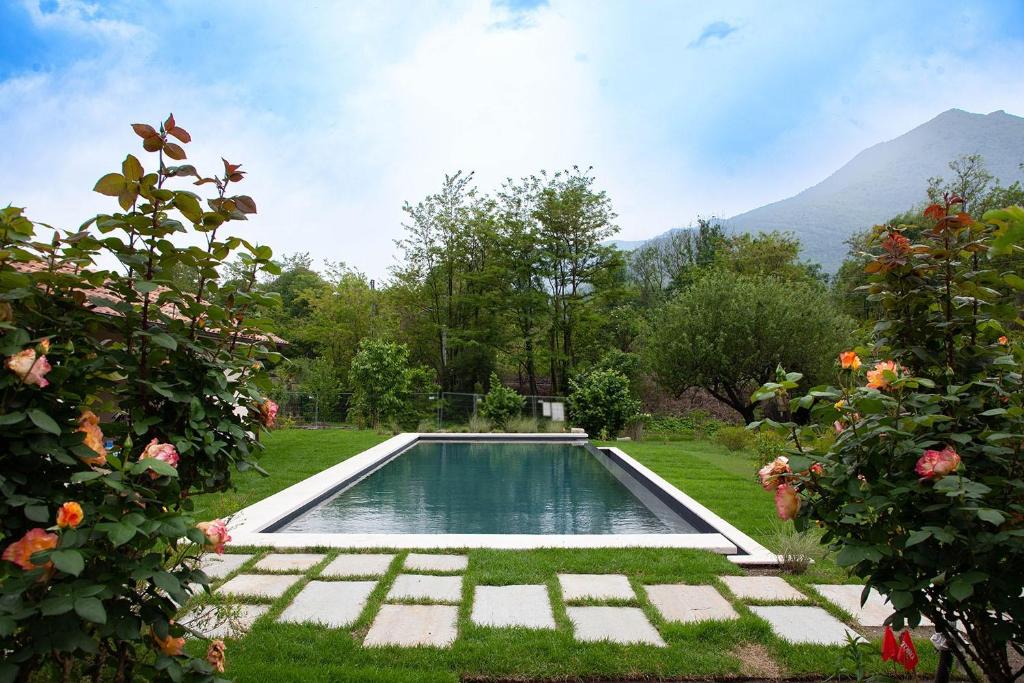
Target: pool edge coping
x=248, y=524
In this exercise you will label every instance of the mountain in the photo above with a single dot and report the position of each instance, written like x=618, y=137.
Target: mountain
x=887, y=179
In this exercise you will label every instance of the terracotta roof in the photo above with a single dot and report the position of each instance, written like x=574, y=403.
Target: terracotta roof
x=97, y=295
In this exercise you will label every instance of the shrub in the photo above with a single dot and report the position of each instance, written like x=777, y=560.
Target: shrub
x=768, y=445
x=99, y=543
x=479, y=424
x=600, y=402
x=385, y=389
x=500, y=404
x=922, y=493
x=734, y=437
x=797, y=550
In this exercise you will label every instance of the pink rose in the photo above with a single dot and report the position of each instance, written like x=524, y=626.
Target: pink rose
x=163, y=452
x=216, y=533
x=772, y=474
x=787, y=502
x=29, y=368
x=937, y=464
x=268, y=413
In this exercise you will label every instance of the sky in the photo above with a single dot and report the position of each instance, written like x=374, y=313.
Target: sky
x=343, y=111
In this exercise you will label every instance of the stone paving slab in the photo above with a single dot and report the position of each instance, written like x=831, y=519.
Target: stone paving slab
x=800, y=624
x=426, y=587
x=436, y=563
x=596, y=587
x=504, y=606
x=218, y=566
x=289, y=562
x=624, y=625
x=847, y=596
x=371, y=564
x=761, y=588
x=689, y=604
x=334, y=604
x=412, y=625
x=259, y=585
x=223, y=621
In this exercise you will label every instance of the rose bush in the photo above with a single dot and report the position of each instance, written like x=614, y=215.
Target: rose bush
x=922, y=492
x=123, y=394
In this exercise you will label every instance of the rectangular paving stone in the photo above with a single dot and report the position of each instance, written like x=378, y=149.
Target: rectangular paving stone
x=412, y=625
x=688, y=604
x=435, y=563
x=335, y=604
x=624, y=625
x=223, y=621
x=369, y=564
x=218, y=566
x=426, y=587
x=289, y=562
x=504, y=606
x=847, y=596
x=762, y=588
x=595, y=587
x=259, y=585
x=802, y=625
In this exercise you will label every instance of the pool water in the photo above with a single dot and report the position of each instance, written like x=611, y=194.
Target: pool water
x=493, y=488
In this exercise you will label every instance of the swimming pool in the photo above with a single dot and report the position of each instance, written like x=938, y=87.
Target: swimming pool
x=489, y=491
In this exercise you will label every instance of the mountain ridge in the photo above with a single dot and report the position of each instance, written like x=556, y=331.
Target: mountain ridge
x=882, y=181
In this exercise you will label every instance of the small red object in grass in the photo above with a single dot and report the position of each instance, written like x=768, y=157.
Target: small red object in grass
x=890, y=649
x=907, y=655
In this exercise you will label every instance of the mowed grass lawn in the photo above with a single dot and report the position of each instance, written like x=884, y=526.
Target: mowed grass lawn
x=745, y=647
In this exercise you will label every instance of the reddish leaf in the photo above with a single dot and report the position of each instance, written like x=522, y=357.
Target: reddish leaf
x=935, y=212
x=111, y=185
x=964, y=218
x=144, y=130
x=230, y=168
x=174, y=151
x=152, y=144
x=169, y=123
x=236, y=177
x=245, y=203
x=203, y=181
x=180, y=133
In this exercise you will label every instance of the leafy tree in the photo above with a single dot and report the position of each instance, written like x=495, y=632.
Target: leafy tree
x=727, y=333
x=767, y=253
x=383, y=382
x=601, y=403
x=500, y=404
x=100, y=546
x=922, y=493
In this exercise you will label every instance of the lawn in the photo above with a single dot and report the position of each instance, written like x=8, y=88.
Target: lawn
x=744, y=647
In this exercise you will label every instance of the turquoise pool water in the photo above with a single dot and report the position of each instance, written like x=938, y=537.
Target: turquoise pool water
x=493, y=488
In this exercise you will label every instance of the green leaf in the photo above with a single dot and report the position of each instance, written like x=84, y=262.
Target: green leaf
x=959, y=589
x=91, y=609
x=110, y=185
x=13, y=417
x=79, y=477
x=68, y=561
x=131, y=168
x=121, y=533
x=917, y=537
x=37, y=513
x=991, y=516
x=165, y=340
x=43, y=421
x=189, y=206
x=146, y=286
x=58, y=604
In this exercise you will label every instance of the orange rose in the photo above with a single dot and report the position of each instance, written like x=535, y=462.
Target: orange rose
x=70, y=515
x=215, y=655
x=89, y=425
x=170, y=646
x=773, y=473
x=1003, y=341
x=849, y=360
x=35, y=540
x=787, y=502
x=30, y=368
x=877, y=378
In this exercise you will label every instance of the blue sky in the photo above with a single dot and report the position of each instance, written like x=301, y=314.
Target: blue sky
x=343, y=110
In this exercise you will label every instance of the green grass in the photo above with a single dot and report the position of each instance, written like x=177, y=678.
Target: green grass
x=719, y=479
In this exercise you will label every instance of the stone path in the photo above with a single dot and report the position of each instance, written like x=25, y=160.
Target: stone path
x=436, y=563
x=767, y=588
x=505, y=606
x=624, y=625
x=411, y=625
x=688, y=604
x=223, y=621
x=289, y=562
x=335, y=604
x=426, y=587
x=259, y=585
x=219, y=566
x=874, y=612
x=595, y=587
x=800, y=624
x=358, y=565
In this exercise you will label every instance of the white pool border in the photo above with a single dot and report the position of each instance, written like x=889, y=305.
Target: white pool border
x=247, y=525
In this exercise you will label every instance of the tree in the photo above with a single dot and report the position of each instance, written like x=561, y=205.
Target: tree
x=600, y=402
x=500, y=404
x=727, y=333
x=380, y=376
